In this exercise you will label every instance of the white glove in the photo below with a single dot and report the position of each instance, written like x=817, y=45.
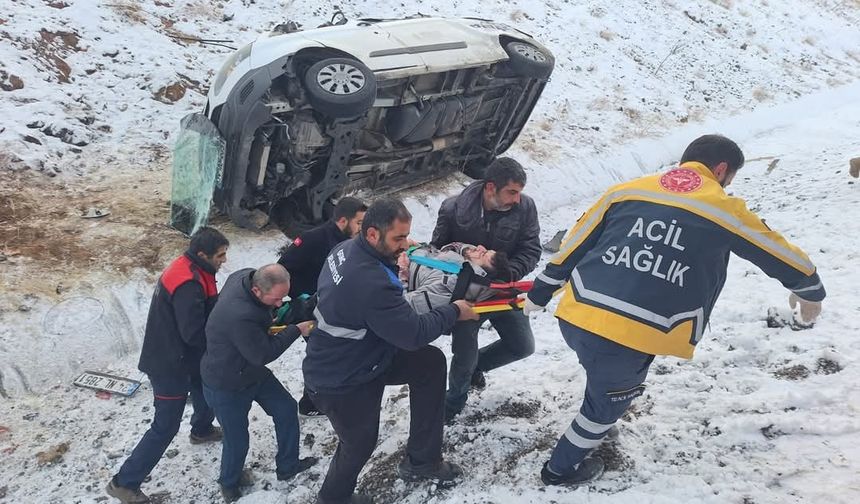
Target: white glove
x=809, y=310
x=529, y=306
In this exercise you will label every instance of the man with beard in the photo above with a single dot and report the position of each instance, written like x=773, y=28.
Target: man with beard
x=304, y=259
x=367, y=336
x=496, y=214
x=641, y=271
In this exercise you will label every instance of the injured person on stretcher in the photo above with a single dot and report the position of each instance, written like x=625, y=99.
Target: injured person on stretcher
x=435, y=277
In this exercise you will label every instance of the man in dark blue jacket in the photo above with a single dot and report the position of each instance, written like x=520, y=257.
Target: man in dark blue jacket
x=235, y=374
x=173, y=344
x=496, y=214
x=304, y=259
x=367, y=337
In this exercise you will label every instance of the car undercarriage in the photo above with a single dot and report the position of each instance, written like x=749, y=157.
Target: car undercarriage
x=316, y=125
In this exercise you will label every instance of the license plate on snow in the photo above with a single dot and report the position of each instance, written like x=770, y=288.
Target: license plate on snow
x=108, y=383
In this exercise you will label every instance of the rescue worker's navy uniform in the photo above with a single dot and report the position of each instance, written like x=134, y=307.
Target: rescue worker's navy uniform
x=640, y=272
x=367, y=336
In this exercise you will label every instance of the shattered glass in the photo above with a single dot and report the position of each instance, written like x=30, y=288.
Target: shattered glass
x=198, y=161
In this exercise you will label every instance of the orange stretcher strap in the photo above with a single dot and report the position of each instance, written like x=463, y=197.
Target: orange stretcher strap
x=497, y=305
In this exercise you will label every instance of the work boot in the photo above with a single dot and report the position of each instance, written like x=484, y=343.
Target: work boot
x=307, y=408
x=451, y=414
x=440, y=471
x=303, y=465
x=230, y=494
x=479, y=382
x=214, y=435
x=246, y=479
x=126, y=495
x=588, y=470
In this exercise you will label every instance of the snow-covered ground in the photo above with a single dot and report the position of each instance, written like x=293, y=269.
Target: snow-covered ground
x=759, y=415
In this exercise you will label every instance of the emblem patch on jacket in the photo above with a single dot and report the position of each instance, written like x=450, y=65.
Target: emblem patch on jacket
x=681, y=180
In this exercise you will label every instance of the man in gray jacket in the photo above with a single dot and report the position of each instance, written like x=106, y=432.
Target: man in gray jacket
x=238, y=347
x=494, y=213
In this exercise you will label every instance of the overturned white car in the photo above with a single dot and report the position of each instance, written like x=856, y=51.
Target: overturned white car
x=304, y=117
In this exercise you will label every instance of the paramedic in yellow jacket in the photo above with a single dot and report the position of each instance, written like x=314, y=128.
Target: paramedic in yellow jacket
x=640, y=273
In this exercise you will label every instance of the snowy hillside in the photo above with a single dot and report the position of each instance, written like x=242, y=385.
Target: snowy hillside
x=91, y=97
x=91, y=83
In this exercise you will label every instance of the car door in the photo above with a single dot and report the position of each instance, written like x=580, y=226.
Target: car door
x=370, y=43
x=444, y=44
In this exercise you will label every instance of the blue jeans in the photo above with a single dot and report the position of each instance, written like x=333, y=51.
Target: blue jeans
x=614, y=377
x=232, y=407
x=171, y=394
x=516, y=342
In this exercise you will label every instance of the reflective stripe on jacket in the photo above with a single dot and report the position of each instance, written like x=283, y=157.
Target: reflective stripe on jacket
x=645, y=265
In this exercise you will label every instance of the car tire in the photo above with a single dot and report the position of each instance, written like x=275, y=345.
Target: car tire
x=340, y=87
x=528, y=60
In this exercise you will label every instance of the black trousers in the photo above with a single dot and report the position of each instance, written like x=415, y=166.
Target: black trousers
x=355, y=418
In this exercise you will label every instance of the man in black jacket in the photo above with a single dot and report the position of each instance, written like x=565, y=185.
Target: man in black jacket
x=496, y=214
x=304, y=259
x=235, y=374
x=368, y=337
x=173, y=344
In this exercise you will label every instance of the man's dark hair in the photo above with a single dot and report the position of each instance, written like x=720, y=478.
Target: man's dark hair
x=207, y=240
x=382, y=214
x=501, y=267
x=503, y=171
x=711, y=150
x=347, y=208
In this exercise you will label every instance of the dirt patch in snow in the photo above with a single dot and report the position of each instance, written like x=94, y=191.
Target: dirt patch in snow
x=510, y=409
x=44, y=239
x=794, y=373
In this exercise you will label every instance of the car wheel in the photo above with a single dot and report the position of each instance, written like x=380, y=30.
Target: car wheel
x=340, y=87
x=528, y=60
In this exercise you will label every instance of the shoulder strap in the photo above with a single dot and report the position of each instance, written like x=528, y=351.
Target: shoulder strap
x=446, y=266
